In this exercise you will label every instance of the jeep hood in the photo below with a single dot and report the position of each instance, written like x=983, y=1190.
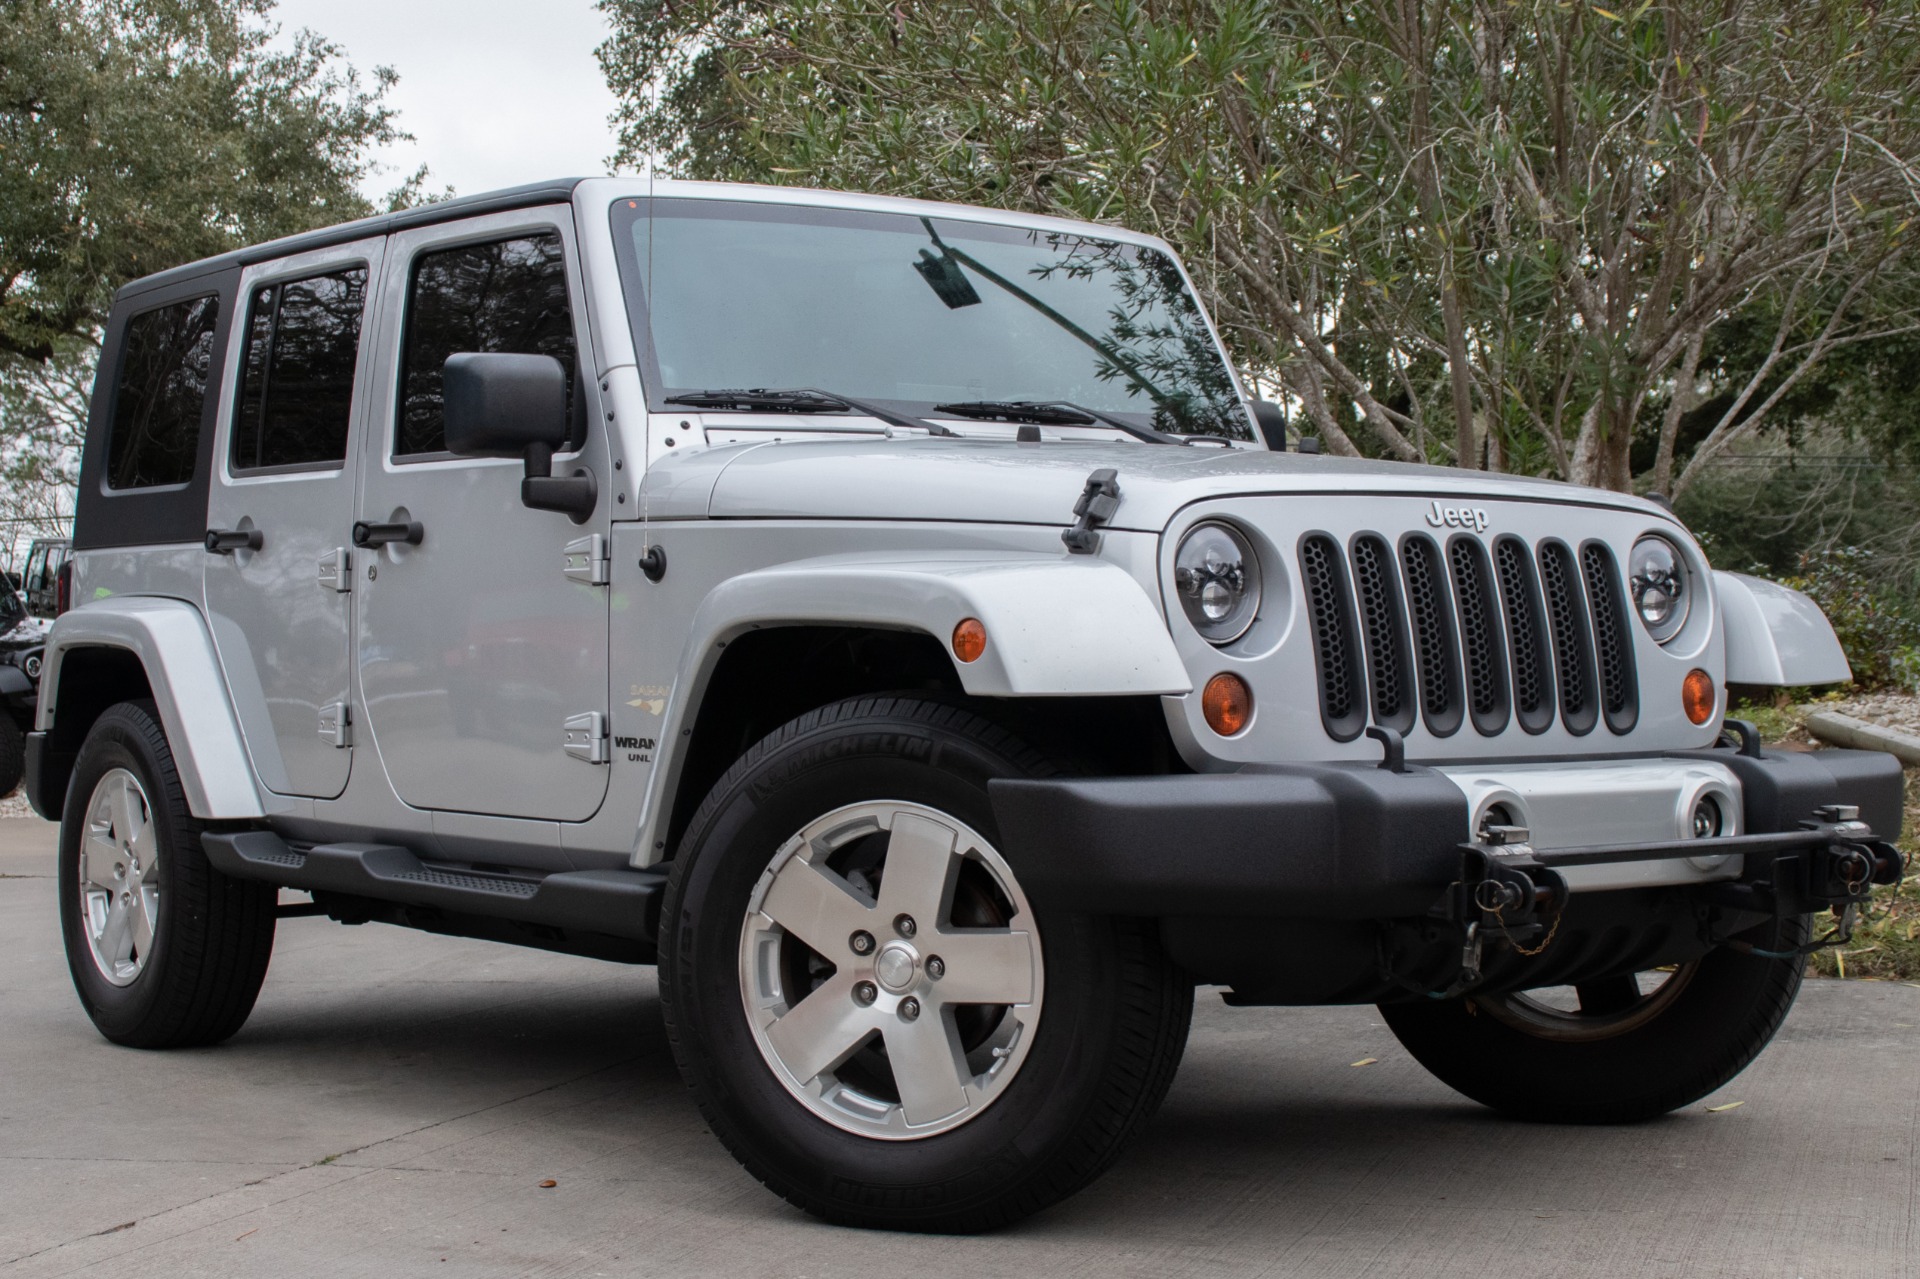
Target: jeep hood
x=997, y=481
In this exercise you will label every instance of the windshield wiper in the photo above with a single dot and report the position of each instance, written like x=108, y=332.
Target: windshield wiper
x=1053, y=413
x=802, y=400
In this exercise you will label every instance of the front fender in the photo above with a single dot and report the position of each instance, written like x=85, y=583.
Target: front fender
x=171, y=641
x=1057, y=626
x=1776, y=635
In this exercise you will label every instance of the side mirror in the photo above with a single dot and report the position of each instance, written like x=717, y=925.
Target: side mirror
x=1272, y=421
x=500, y=405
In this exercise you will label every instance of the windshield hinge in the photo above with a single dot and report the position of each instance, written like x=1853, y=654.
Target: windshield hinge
x=587, y=560
x=586, y=737
x=1096, y=506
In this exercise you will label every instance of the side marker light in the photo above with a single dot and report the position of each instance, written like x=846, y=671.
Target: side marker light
x=969, y=640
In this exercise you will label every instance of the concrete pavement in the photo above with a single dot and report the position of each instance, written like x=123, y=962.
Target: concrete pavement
x=397, y=1098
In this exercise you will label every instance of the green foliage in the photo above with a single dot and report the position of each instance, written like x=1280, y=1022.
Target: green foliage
x=139, y=134
x=1452, y=230
x=1879, y=629
x=136, y=135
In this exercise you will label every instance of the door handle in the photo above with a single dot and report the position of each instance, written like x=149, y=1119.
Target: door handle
x=225, y=541
x=367, y=534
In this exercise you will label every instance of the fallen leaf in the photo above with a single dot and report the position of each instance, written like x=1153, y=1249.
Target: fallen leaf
x=1366, y=1061
x=550, y=1183
x=1714, y=1110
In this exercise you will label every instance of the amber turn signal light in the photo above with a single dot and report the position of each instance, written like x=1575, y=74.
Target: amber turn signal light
x=1227, y=703
x=1697, y=696
x=969, y=640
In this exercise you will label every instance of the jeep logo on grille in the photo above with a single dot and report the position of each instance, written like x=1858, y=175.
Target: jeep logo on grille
x=1472, y=517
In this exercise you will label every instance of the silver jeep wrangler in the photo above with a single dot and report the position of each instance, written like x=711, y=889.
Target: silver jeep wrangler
x=896, y=622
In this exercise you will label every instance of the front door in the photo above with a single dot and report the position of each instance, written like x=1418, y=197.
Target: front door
x=278, y=511
x=483, y=665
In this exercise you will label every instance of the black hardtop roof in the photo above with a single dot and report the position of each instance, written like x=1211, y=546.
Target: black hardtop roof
x=559, y=190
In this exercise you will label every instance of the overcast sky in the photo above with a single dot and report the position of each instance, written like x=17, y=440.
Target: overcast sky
x=495, y=92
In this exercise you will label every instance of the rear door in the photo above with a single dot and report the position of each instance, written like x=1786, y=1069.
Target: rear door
x=483, y=663
x=278, y=573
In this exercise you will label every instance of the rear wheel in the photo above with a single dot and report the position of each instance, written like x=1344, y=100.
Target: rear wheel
x=1617, y=1050
x=874, y=1018
x=165, y=951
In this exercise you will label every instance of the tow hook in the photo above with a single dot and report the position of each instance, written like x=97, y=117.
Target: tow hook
x=1513, y=895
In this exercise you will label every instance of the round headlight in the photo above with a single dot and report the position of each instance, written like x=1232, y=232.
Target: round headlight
x=1218, y=578
x=1658, y=578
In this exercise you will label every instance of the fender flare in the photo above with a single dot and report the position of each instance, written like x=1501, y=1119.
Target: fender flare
x=1057, y=626
x=173, y=645
x=1775, y=635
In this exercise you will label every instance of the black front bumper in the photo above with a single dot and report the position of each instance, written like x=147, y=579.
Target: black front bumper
x=1336, y=841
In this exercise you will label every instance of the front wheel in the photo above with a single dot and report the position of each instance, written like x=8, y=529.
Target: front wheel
x=1617, y=1050
x=872, y=1015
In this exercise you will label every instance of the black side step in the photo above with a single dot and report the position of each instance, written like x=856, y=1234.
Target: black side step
x=616, y=903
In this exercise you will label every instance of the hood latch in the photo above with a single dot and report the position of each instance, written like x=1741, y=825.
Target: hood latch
x=1096, y=506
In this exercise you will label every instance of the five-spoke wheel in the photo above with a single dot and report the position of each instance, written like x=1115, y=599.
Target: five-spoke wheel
x=120, y=877
x=874, y=1017
x=891, y=971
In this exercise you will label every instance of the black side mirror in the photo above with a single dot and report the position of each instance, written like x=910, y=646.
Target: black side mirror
x=1272, y=421
x=500, y=405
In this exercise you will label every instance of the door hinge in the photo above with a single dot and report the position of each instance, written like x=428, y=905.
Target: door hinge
x=336, y=723
x=587, y=560
x=336, y=570
x=586, y=737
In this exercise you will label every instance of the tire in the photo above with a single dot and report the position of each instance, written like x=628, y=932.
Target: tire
x=13, y=754
x=1624, y=1057
x=1084, y=1053
x=208, y=938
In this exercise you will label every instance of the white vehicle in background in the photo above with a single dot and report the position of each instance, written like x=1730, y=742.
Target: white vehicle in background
x=895, y=621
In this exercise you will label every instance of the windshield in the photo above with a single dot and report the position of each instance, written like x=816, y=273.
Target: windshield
x=915, y=312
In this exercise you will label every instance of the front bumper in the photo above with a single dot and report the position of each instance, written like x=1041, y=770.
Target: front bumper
x=1346, y=842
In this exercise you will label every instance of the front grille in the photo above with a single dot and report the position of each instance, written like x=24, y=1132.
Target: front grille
x=1523, y=636
x=1433, y=635
x=1572, y=639
x=1383, y=625
x=1613, y=647
x=1343, y=700
x=1526, y=636
x=1479, y=635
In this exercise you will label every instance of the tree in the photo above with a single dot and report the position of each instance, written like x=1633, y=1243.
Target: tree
x=136, y=135
x=1489, y=232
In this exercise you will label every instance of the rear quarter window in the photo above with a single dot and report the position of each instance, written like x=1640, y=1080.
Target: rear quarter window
x=148, y=456
x=160, y=396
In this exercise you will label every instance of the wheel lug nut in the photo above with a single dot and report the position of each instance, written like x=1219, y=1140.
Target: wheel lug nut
x=936, y=967
x=865, y=992
x=905, y=926
x=862, y=942
x=909, y=1008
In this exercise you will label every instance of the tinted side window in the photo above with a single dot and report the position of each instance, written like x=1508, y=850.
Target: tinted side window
x=508, y=296
x=161, y=395
x=296, y=393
